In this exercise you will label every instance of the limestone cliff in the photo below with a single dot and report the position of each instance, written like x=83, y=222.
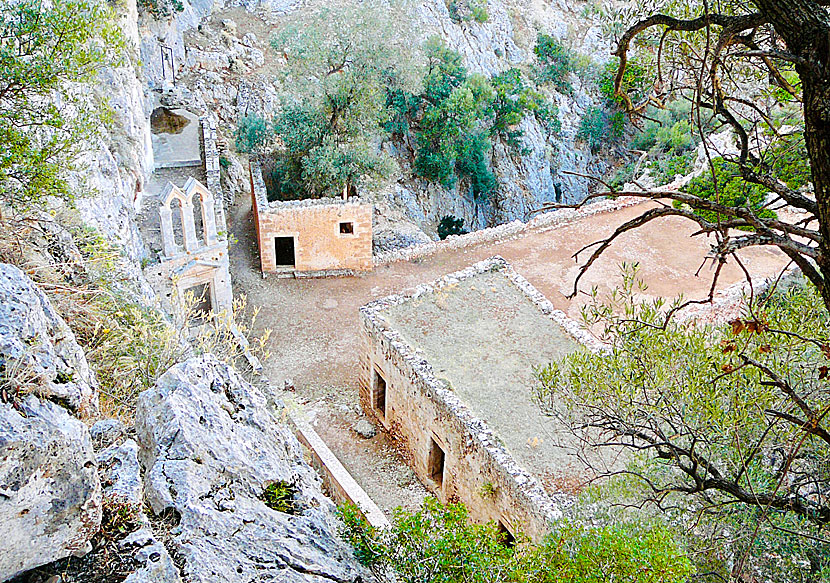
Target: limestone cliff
x=222, y=65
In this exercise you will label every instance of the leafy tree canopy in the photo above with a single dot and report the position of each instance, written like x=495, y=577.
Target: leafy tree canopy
x=725, y=427
x=340, y=60
x=439, y=543
x=49, y=51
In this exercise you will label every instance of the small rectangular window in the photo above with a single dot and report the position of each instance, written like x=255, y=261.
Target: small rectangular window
x=347, y=228
x=435, y=462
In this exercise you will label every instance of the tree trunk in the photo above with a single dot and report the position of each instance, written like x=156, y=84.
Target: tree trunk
x=805, y=27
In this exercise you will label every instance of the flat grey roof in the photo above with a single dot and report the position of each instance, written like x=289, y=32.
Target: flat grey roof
x=484, y=336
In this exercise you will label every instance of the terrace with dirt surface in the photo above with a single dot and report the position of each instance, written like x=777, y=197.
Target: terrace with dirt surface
x=315, y=322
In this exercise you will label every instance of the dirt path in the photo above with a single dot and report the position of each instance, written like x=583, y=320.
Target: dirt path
x=315, y=322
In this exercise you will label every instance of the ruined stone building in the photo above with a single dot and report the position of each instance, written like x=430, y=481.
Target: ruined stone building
x=311, y=237
x=450, y=372
x=194, y=256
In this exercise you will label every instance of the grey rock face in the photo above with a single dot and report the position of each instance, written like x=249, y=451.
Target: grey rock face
x=156, y=566
x=50, y=495
x=210, y=446
x=106, y=432
x=120, y=474
x=37, y=344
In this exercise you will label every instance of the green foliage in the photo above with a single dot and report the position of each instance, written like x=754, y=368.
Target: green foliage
x=450, y=225
x=789, y=161
x=488, y=490
x=634, y=82
x=555, y=62
x=468, y=10
x=728, y=188
x=279, y=496
x=161, y=9
x=666, y=167
x=457, y=115
x=669, y=140
x=46, y=48
x=472, y=164
x=439, y=543
x=690, y=384
x=252, y=134
x=594, y=127
x=118, y=518
x=341, y=60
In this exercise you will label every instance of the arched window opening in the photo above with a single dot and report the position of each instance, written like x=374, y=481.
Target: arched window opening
x=199, y=219
x=177, y=216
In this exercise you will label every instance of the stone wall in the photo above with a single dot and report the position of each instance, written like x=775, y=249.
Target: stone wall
x=419, y=408
x=213, y=175
x=320, y=248
x=552, y=219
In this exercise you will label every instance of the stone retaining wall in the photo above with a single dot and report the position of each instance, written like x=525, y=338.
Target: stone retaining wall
x=210, y=153
x=508, y=230
x=420, y=407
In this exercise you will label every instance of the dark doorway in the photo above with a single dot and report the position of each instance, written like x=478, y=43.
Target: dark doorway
x=347, y=228
x=284, y=251
x=202, y=303
x=505, y=536
x=380, y=394
x=435, y=462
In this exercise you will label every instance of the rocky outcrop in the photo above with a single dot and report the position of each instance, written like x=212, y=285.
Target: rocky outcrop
x=210, y=446
x=120, y=474
x=50, y=494
x=38, y=349
x=112, y=171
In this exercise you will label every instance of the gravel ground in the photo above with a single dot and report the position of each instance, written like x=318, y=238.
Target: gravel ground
x=315, y=322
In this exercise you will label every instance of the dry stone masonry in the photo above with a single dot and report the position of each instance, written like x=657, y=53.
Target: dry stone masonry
x=311, y=237
x=453, y=449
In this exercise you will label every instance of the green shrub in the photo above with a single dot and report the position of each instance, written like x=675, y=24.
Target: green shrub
x=789, y=160
x=51, y=54
x=252, y=134
x=472, y=164
x=732, y=190
x=279, y=496
x=555, y=62
x=593, y=127
x=665, y=168
x=440, y=544
x=634, y=82
x=450, y=225
x=468, y=10
x=161, y=8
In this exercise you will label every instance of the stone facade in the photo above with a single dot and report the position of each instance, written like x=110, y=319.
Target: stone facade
x=192, y=257
x=432, y=421
x=313, y=237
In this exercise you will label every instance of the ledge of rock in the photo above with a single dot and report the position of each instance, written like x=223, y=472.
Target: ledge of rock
x=35, y=341
x=210, y=446
x=50, y=494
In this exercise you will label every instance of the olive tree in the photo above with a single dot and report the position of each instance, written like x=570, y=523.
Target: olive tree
x=50, y=52
x=340, y=59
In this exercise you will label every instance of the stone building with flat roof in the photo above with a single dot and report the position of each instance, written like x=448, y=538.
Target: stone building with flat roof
x=450, y=371
x=311, y=237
